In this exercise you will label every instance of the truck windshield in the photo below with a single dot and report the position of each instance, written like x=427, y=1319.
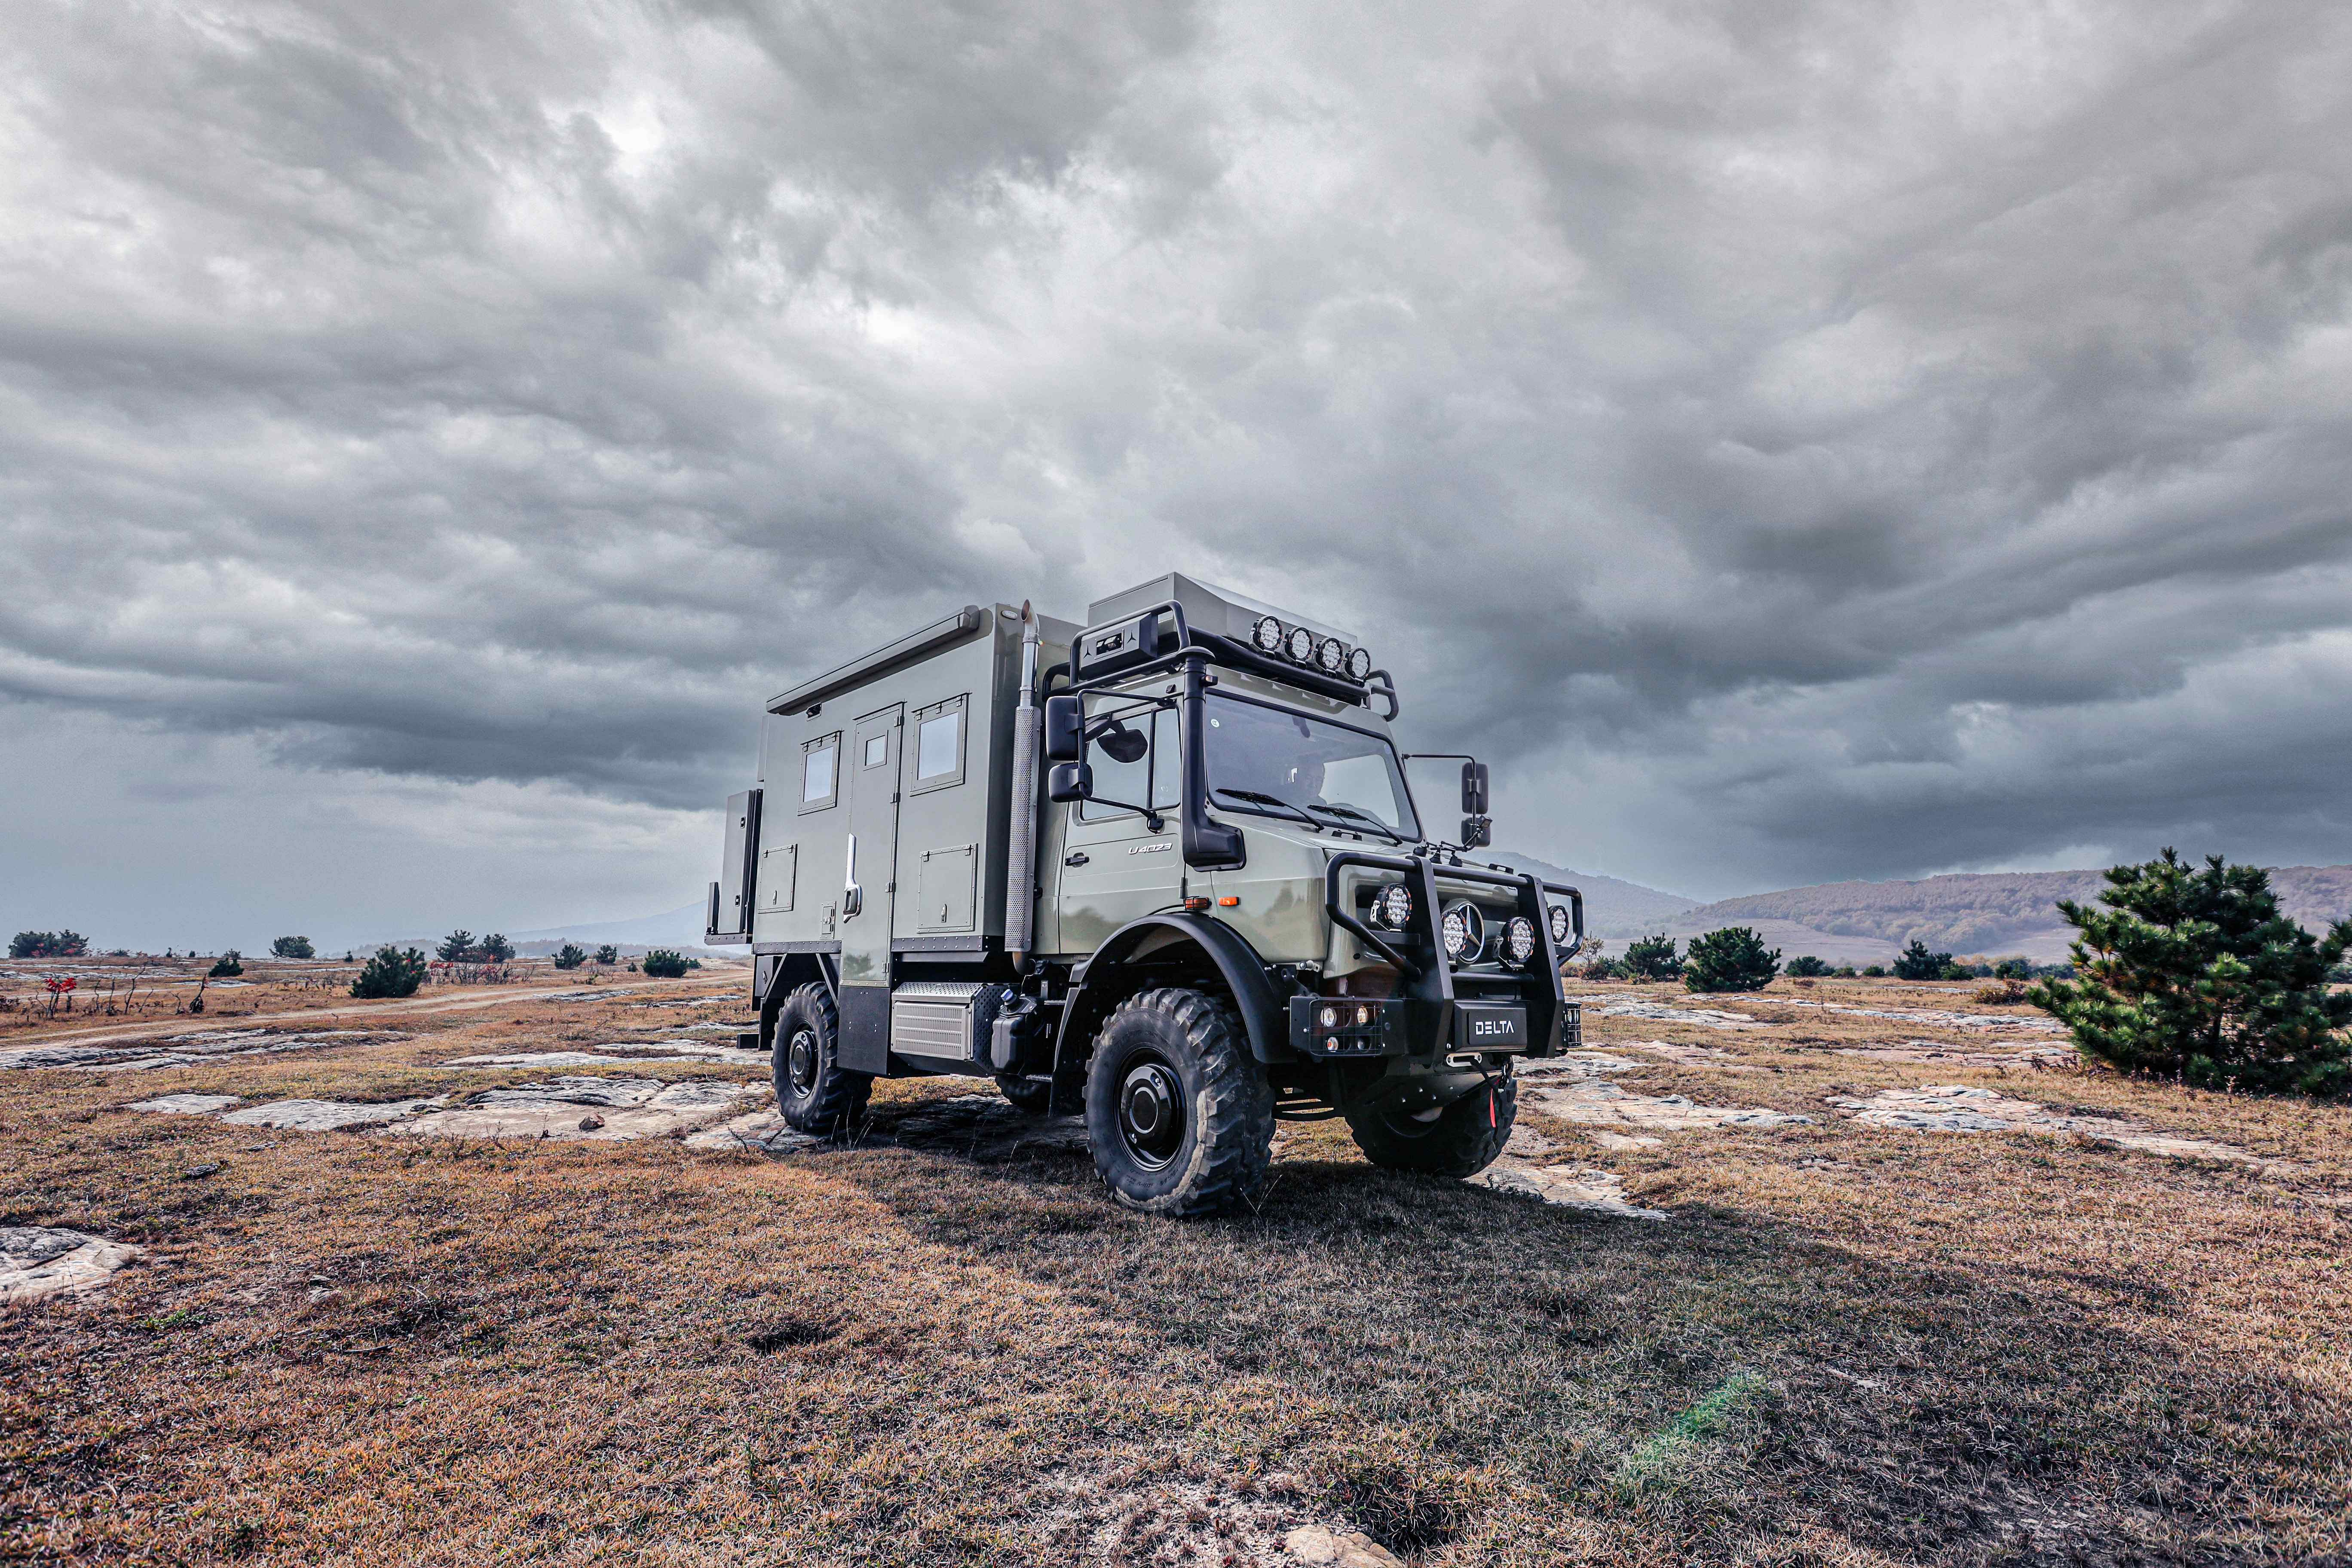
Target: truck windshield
x=1287, y=764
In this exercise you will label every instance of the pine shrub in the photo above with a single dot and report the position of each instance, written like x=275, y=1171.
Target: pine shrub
x=2199, y=976
x=1915, y=962
x=291, y=947
x=1805, y=966
x=227, y=966
x=1732, y=959
x=1651, y=957
x=391, y=973
x=665, y=964
x=570, y=956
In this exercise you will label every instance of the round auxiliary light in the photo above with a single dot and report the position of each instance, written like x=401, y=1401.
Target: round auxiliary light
x=1328, y=1017
x=1464, y=932
x=1363, y=1014
x=1359, y=664
x=1267, y=634
x=1519, y=942
x=1562, y=928
x=1331, y=656
x=1300, y=646
x=1392, y=907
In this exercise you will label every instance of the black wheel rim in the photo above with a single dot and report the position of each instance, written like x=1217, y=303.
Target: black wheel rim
x=800, y=1061
x=1151, y=1113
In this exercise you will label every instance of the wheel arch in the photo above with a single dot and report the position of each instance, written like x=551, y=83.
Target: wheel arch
x=1104, y=980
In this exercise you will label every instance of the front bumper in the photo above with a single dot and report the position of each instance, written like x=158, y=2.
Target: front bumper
x=1340, y=1028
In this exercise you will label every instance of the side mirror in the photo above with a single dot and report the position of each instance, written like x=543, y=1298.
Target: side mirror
x=1070, y=780
x=1474, y=790
x=1477, y=832
x=1065, y=729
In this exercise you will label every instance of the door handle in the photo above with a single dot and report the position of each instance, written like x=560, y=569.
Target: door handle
x=853, y=897
x=1077, y=858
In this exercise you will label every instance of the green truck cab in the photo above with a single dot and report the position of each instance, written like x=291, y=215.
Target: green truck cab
x=1163, y=867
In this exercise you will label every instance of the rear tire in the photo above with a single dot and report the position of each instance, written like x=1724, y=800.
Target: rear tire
x=1462, y=1140
x=1179, y=1114
x=813, y=1093
x=1029, y=1095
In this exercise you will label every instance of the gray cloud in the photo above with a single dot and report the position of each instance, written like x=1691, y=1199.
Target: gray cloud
x=1796, y=441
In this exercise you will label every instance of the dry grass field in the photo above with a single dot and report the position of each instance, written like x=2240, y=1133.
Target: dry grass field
x=1845, y=1343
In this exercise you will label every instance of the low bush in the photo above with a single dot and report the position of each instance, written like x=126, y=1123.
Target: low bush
x=665, y=964
x=1651, y=957
x=494, y=949
x=1732, y=959
x=568, y=956
x=291, y=947
x=1805, y=966
x=2199, y=976
x=1915, y=962
x=608, y=954
x=1876, y=972
x=391, y=973
x=227, y=966
x=48, y=944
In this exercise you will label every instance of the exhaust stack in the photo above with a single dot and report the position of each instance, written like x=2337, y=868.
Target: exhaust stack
x=1021, y=853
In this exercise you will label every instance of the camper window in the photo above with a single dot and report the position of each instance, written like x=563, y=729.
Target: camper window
x=818, y=760
x=939, y=744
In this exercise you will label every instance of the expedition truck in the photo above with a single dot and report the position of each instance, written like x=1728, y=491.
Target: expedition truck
x=1163, y=867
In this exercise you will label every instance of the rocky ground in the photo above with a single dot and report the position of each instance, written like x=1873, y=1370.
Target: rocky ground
x=1841, y=1272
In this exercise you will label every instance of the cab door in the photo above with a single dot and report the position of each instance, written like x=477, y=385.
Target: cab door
x=1115, y=867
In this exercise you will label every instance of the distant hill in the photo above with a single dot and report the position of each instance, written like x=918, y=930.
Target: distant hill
x=1985, y=914
x=1614, y=908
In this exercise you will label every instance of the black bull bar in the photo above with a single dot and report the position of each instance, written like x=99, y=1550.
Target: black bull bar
x=1427, y=1015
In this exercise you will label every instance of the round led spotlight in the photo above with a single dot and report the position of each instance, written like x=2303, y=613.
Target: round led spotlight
x=1300, y=646
x=1330, y=1016
x=1331, y=657
x=1392, y=907
x=1519, y=942
x=1359, y=664
x=1464, y=932
x=1562, y=928
x=1267, y=634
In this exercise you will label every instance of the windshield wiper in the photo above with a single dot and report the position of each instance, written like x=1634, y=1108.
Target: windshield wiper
x=1258, y=798
x=1353, y=815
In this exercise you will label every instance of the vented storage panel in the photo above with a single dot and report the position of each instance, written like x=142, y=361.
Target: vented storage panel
x=946, y=1021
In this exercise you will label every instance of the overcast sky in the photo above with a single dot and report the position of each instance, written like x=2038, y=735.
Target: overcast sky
x=1794, y=441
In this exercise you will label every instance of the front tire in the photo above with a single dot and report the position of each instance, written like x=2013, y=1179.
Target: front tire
x=1462, y=1140
x=1180, y=1116
x=813, y=1093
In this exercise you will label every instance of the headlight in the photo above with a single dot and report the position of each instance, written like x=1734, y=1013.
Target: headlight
x=1300, y=646
x=1519, y=942
x=1267, y=634
x=1331, y=656
x=1562, y=928
x=1330, y=1016
x=1392, y=907
x=1359, y=664
x=1463, y=931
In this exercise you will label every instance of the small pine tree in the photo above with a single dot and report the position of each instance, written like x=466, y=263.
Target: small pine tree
x=495, y=947
x=391, y=973
x=291, y=947
x=227, y=966
x=1805, y=966
x=1732, y=959
x=2200, y=977
x=1916, y=962
x=1651, y=957
x=665, y=964
x=455, y=948
x=1876, y=972
x=48, y=944
x=568, y=956
x=2013, y=969
x=608, y=954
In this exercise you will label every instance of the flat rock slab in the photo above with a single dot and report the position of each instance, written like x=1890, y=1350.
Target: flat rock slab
x=1564, y=1186
x=1960, y=1107
x=1574, y=1064
x=2037, y=1054
x=1605, y=1104
x=38, y=1262
x=330, y=1115
x=1663, y=1012
x=1340, y=1548
x=761, y=1133
x=182, y=1051
x=1934, y=1018
x=604, y=1109
x=620, y=1052
x=1691, y=1056
x=188, y=1104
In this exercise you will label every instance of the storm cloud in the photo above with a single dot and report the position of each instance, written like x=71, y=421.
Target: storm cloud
x=1794, y=441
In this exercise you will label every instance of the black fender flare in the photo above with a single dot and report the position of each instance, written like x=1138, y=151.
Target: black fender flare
x=1264, y=1016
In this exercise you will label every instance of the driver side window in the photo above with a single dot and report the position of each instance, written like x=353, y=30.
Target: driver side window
x=1153, y=776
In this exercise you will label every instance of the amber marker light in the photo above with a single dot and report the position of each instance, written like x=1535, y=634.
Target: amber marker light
x=1229, y=901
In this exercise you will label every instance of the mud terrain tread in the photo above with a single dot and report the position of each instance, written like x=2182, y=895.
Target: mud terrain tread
x=1460, y=1142
x=1234, y=1140
x=840, y=1097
